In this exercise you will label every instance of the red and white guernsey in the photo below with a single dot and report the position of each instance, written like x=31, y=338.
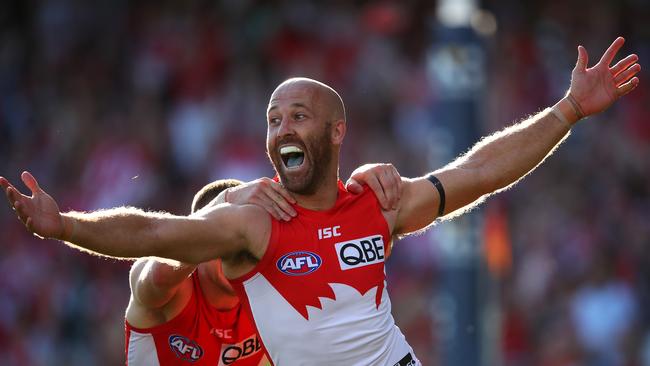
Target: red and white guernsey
x=318, y=296
x=199, y=335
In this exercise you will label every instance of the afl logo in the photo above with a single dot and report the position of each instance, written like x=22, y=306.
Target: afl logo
x=184, y=348
x=299, y=263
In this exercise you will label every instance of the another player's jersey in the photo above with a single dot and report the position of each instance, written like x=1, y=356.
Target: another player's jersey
x=199, y=335
x=318, y=296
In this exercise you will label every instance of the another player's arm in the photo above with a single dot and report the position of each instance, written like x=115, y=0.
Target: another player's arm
x=500, y=160
x=154, y=282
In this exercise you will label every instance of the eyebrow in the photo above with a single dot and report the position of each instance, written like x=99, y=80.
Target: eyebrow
x=294, y=105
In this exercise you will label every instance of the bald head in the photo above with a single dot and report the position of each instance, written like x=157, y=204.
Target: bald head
x=322, y=95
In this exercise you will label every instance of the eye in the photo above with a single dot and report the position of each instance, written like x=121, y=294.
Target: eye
x=300, y=116
x=274, y=121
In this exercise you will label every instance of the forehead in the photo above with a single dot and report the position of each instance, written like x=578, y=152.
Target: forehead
x=293, y=95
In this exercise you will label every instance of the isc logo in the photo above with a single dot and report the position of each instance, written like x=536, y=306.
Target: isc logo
x=184, y=348
x=221, y=333
x=234, y=352
x=360, y=252
x=329, y=232
x=299, y=263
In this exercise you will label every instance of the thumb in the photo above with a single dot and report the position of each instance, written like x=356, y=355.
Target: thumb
x=353, y=186
x=583, y=60
x=30, y=182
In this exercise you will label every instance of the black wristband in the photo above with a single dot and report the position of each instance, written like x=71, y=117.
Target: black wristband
x=441, y=191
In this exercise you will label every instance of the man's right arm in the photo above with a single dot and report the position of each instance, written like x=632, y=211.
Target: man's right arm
x=214, y=232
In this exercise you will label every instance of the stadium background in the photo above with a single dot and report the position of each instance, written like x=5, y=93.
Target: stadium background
x=142, y=102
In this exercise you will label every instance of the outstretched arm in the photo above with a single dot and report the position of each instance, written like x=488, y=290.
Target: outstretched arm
x=124, y=232
x=500, y=160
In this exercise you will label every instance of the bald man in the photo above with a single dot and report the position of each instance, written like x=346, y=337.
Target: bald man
x=317, y=287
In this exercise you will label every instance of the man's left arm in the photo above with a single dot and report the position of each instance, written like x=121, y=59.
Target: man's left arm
x=500, y=160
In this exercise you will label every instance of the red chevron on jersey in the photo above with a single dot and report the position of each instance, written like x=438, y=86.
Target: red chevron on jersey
x=358, y=273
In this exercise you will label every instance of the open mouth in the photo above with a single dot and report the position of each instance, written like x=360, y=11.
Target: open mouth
x=292, y=156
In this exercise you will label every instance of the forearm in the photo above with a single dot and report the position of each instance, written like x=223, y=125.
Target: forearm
x=123, y=232
x=495, y=162
x=505, y=157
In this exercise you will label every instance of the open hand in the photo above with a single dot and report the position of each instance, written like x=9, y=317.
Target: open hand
x=383, y=179
x=266, y=193
x=594, y=89
x=39, y=213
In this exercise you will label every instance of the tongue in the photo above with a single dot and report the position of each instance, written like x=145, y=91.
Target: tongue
x=295, y=160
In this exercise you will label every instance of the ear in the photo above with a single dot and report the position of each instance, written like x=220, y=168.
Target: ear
x=338, y=131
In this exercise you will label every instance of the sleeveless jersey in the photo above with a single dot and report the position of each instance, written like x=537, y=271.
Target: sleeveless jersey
x=318, y=295
x=199, y=335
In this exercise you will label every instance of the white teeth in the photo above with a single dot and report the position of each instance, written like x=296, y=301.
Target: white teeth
x=289, y=149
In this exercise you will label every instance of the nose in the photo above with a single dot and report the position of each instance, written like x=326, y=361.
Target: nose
x=286, y=128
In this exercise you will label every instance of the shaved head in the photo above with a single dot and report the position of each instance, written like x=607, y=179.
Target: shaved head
x=324, y=96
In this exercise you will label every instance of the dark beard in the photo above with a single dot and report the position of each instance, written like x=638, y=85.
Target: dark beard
x=319, y=151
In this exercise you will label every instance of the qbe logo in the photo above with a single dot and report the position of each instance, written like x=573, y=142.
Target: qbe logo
x=299, y=263
x=360, y=252
x=185, y=348
x=235, y=352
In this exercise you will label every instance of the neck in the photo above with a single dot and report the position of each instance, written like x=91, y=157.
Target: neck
x=324, y=198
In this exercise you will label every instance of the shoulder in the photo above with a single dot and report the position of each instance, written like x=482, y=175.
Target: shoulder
x=257, y=227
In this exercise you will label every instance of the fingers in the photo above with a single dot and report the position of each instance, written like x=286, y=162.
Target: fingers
x=18, y=206
x=30, y=182
x=583, y=60
x=391, y=183
x=279, y=201
x=271, y=208
x=4, y=183
x=624, y=64
x=13, y=195
x=399, y=186
x=16, y=200
x=373, y=182
x=275, y=199
x=627, y=74
x=383, y=179
x=353, y=186
x=611, y=52
x=282, y=191
x=627, y=87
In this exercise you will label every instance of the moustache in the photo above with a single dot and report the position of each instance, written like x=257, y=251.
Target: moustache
x=295, y=140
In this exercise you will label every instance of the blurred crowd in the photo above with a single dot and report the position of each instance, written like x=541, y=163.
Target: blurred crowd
x=141, y=103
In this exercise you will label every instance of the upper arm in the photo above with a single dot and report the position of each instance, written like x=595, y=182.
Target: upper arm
x=420, y=200
x=214, y=232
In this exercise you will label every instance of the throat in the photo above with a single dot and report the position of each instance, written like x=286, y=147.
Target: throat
x=323, y=199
